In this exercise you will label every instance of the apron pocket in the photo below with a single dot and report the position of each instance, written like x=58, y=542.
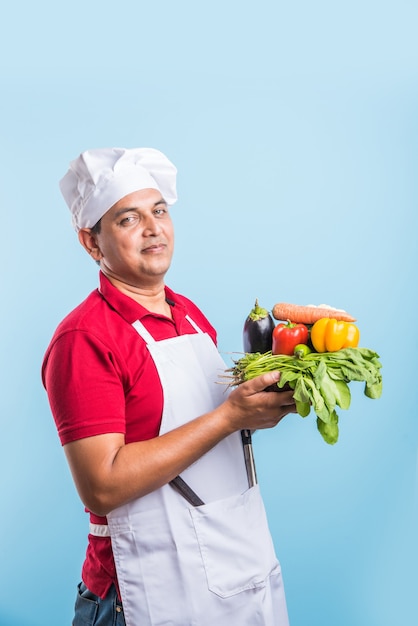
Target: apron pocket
x=235, y=543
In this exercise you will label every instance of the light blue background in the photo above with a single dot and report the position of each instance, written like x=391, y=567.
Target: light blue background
x=294, y=129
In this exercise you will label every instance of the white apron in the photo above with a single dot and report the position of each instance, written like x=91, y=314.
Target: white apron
x=184, y=565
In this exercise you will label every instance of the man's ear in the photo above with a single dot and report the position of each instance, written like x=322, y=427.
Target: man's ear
x=89, y=243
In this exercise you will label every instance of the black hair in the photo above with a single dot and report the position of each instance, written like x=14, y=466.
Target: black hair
x=95, y=230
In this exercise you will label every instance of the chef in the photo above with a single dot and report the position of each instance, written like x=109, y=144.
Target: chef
x=178, y=533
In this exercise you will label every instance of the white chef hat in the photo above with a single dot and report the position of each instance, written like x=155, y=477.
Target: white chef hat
x=99, y=178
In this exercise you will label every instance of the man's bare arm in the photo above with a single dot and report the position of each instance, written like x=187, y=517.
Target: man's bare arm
x=108, y=473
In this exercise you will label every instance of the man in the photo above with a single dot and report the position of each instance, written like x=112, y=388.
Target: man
x=177, y=535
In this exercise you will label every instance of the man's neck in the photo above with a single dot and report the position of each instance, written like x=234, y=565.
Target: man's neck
x=152, y=298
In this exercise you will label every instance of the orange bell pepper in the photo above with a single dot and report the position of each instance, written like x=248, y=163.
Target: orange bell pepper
x=330, y=335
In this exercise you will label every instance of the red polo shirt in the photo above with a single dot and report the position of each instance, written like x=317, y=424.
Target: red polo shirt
x=100, y=379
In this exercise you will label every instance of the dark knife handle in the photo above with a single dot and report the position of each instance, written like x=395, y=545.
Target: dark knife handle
x=249, y=457
x=187, y=492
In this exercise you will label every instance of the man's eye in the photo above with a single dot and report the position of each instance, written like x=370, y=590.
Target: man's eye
x=127, y=220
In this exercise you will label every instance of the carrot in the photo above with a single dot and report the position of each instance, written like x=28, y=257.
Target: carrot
x=308, y=314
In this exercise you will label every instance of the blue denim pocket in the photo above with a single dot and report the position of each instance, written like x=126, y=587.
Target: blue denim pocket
x=86, y=607
x=90, y=610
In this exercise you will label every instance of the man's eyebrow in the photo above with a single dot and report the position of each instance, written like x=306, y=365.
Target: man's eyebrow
x=126, y=209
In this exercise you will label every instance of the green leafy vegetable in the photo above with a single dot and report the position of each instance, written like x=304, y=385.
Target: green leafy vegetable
x=319, y=380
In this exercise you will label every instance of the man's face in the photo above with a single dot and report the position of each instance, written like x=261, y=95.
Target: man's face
x=136, y=239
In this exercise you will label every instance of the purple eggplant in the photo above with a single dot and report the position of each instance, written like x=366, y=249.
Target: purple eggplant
x=258, y=329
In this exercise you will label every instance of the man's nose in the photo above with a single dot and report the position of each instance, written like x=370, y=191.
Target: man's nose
x=152, y=226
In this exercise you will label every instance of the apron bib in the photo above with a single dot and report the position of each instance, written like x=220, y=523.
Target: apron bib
x=180, y=565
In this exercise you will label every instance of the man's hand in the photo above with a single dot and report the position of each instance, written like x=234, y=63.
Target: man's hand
x=250, y=406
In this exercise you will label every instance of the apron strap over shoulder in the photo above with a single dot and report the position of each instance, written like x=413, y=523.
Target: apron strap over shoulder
x=149, y=339
x=195, y=326
x=142, y=331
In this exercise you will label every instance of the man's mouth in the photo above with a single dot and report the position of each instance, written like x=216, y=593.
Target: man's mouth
x=154, y=248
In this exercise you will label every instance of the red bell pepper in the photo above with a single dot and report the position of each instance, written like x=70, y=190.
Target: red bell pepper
x=287, y=336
